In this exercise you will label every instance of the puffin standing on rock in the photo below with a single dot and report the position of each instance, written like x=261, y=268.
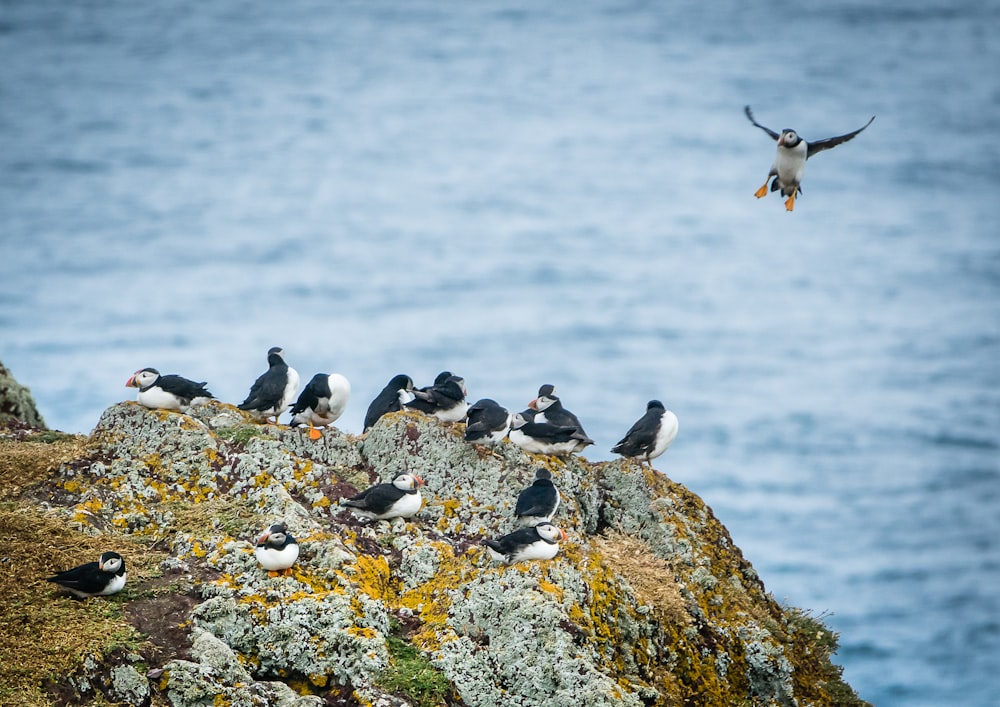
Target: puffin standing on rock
x=790, y=161
x=545, y=438
x=550, y=409
x=276, y=549
x=102, y=578
x=537, y=503
x=322, y=402
x=398, y=499
x=540, y=542
x=488, y=423
x=274, y=389
x=169, y=392
x=397, y=391
x=445, y=400
x=650, y=436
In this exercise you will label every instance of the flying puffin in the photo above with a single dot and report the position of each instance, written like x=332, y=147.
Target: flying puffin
x=445, y=400
x=546, y=438
x=274, y=389
x=398, y=499
x=396, y=392
x=322, y=402
x=101, y=578
x=790, y=161
x=539, y=542
x=488, y=423
x=550, y=409
x=650, y=436
x=537, y=503
x=170, y=392
x=276, y=549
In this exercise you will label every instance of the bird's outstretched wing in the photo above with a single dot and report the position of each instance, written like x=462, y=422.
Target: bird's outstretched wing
x=829, y=142
x=774, y=135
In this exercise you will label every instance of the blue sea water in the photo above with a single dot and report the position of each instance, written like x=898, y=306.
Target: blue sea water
x=530, y=193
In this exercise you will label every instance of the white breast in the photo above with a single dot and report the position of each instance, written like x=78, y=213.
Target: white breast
x=405, y=507
x=158, y=399
x=116, y=584
x=273, y=560
x=538, y=550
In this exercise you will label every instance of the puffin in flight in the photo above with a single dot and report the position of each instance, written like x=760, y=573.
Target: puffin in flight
x=101, y=578
x=274, y=389
x=394, y=395
x=276, y=549
x=169, y=392
x=399, y=498
x=650, y=436
x=539, y=542
x=321, y=402
x=790, y=161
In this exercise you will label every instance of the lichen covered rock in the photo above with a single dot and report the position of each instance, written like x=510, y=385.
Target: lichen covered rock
x=16, y=403
x=647, y=603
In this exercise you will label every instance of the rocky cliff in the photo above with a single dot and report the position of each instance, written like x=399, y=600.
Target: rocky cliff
x=647, y=603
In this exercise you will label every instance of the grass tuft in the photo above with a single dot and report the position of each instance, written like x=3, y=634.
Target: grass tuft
x=412, y=676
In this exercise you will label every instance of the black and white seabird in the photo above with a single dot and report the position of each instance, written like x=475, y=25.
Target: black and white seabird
x=276, y=549
x=650, y=436
x=550, y=409
x=537, y=503
x=398, y=499
x=546, y=438
x=444, y=400
x=396, y=392
x=488, y=423
x=101, y=578
x=790, y=161
x=539, y=542
x=169, y=392
x=274, y=389
x=322, y=402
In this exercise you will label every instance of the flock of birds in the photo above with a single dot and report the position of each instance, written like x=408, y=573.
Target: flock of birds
x=546, y=427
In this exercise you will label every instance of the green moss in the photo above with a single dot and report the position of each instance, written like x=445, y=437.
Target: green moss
x=239, y=434
x=412, y=676
x=817, y=680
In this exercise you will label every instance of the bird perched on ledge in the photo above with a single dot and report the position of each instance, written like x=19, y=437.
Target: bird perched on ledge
x=537, y=503
x=487, y=424
x=169, y=392
x=790, y=161
x=276, y=549
x=321, y=403
x=102, y=578
x=398, y=499
x=539, y=542
x=396, y=392
x=275, y=388
x=650, y=436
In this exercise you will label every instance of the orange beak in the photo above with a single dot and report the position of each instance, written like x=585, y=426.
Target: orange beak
x=263, y=538
x=533, y=404
x=420, y=482
x=563, y=534
x=130, y=383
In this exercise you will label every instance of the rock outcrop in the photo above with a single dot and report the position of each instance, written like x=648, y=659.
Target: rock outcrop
x=647, y=603
x=16, y=403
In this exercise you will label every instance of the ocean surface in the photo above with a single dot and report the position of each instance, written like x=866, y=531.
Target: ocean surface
x=529, y=193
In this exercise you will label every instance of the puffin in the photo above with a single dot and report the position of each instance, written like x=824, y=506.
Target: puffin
x=169, y=392
x=545, y=437
x=445, y=400
x=396, y=392
x=550, y=409
x=274, y=389
x=539, y=542
x=537, y=503
x=276, y=549
x=399, y=498
x=650, y=436
x=102, y=578
x=321, y=402
x=790, y=161
x=488, y=423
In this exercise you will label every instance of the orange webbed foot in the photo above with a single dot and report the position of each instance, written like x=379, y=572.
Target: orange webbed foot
x=314, y=433
x=273, y=573
x=790, y=203
x=762, y=192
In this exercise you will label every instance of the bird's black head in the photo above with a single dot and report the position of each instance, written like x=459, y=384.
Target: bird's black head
x=275, y=355
x=789, y=138
x=442, y=377
x=654, y=404
x=547, y=390
x=111, y=562
x=401, y=381
x=542, y=473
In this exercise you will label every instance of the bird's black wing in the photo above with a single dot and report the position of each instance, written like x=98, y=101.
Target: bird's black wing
x=511, y=543
x=308, y=399
x=376, y=499
x=81, y=577
x=774, y=135
x=639, y=438
x=183, y=388
x=535, y=500
x=266, y=390
x=829, y=142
